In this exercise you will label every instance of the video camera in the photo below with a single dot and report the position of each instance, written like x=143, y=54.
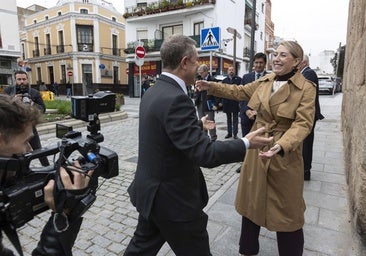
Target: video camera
x=21, y=186
x=24, y=91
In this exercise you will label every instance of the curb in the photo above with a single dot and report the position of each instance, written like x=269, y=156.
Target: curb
x=46, y=128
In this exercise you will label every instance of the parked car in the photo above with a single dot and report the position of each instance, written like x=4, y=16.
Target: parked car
x=326, y=84
x=338, y=81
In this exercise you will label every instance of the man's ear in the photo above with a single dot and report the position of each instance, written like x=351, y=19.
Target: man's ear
x=183, y=62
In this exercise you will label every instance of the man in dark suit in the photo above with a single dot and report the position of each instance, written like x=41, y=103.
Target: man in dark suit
x=307, y=148
x=169, y=190
x=206, y=104
x=231, y=107
x=247, y=115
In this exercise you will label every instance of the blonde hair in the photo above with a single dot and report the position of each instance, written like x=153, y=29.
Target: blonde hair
x=295, y=50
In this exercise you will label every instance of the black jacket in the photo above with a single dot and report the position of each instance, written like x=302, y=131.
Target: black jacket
x=231, y=106
x=34, y=95
x=172, y=147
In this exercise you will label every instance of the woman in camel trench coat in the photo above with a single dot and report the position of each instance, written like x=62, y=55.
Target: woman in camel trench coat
x=270, y=190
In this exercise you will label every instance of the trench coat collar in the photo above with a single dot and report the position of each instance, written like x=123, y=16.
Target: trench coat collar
x=282, y=94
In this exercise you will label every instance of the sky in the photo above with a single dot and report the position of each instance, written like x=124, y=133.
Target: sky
x=317, y=25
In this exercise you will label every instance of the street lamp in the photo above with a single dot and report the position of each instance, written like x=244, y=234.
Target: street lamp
x=235, y=34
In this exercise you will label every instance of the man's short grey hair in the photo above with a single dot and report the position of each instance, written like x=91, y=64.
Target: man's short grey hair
x=203, y=68
x=306, y=59
x=175, y=48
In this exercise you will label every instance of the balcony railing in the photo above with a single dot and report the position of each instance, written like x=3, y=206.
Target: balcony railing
x=36, y=53
x=60, y=48
x=111, y=51
x=155, y=45
x=47, y=51
x=163, y=6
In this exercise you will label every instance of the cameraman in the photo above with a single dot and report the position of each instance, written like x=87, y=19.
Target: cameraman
x=17, y=122
x=22, y=92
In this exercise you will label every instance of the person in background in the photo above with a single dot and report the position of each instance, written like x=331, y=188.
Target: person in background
x=22, y=92
x=55, y=89
x=68, y=89
x=307, y=148
x=206, y=104
x=270, y=189
x=145, y=85
x=16, y=129
x=231, y=107
x=247, y=115
x=169, y=190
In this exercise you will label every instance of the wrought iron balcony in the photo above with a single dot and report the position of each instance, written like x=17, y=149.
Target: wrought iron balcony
x=163, y=6
x=36, y=53
x=47, y=51
x=60, y=48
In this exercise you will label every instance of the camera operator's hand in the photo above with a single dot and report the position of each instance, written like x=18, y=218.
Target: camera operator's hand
x=79, y=181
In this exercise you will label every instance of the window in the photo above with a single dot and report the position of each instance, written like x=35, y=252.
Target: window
x=84, y=38
x=60, y=46
x=47, y=49
x=63, y=74
x=113, y=18
x=172, y=30
x=34, y=21
x=46, y=17
x=262, y=7
x=141, y=34
x=59, y=13
x=84, y=11
x=114, y=45
x=5, y=63
x=197, y=28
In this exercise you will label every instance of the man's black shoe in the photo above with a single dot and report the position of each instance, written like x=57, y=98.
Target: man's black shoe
x=307, y=175
x=238, y=170
x=235, y=137
x=228, y=136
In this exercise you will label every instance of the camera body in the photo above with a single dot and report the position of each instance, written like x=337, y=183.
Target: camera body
x=21, y=186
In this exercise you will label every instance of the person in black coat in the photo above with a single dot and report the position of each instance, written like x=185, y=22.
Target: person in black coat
x=307, y=149
x=248, y=115
x=28, y=96
x=206, y=104
x=231, y=107
x=169, y=190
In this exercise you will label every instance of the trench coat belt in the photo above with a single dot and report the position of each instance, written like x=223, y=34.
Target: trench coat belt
x=273, y=127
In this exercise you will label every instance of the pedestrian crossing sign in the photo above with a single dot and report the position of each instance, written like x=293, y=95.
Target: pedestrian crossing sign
x=210, y=39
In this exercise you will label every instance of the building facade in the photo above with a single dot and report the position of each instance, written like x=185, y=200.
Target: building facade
x=77, y=41
x=150, y=22
x=9, y=42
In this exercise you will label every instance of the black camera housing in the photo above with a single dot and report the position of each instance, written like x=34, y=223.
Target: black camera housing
x=85, y=107
x=21, y=186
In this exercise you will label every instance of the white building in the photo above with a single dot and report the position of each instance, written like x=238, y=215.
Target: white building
x=9, y=41
x=150, y=21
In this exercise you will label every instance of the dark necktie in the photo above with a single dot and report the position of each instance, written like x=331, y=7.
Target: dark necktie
x=258, y=76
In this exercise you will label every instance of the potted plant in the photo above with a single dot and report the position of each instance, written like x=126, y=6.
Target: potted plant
x=120, y=99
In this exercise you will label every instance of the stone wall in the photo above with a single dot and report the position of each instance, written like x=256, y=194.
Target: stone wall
x=354, y=113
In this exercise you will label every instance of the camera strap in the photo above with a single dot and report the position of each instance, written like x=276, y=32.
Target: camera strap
x=12, y=235
x=73, y=200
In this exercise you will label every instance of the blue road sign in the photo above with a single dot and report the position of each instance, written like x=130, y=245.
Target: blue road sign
x=210, y=39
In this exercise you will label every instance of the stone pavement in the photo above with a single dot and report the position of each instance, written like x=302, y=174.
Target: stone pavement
x=110, y=222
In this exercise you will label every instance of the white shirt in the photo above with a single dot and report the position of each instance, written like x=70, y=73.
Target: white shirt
x=181, y=83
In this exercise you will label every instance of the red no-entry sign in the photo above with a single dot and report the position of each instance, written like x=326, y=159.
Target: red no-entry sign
x=69, y=73
x=140, y=52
